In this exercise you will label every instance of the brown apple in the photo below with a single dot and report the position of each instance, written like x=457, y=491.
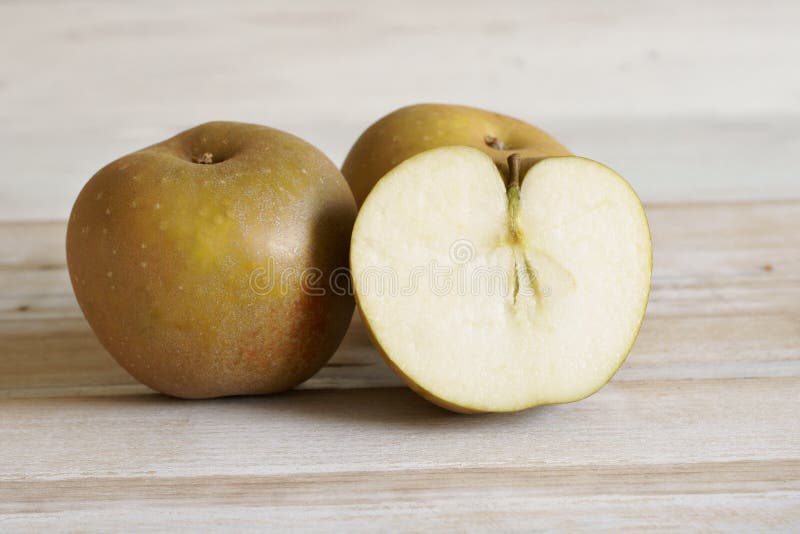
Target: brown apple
x=204, y=263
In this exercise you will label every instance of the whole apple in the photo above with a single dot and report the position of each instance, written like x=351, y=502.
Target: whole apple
x=203, y=263
x=414, y=129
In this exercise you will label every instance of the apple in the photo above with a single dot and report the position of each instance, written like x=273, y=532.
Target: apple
x=201, y=262
x=494, y=288
x=414, y=129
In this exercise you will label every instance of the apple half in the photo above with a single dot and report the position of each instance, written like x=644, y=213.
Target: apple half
x=491, y=294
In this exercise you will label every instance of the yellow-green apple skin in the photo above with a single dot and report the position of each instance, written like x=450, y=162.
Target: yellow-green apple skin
x=202, y=263
x=414, y=129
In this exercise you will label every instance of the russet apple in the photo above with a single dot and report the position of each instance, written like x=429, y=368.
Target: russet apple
x=414, y=129
x=191, y=258
x=496, y=285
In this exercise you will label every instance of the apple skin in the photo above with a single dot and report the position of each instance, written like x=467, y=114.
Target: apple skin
x=176, y=264
x=414, y=129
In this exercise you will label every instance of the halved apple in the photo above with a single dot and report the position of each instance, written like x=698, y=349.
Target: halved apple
x=493, y=294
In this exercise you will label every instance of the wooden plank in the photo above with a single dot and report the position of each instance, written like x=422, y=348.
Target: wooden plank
x=730, y=496
x=643, y=423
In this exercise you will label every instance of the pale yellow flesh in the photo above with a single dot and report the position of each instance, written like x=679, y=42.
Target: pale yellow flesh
x=443, y=215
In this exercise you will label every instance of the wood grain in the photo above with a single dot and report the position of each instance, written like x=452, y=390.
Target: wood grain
x=700, y=427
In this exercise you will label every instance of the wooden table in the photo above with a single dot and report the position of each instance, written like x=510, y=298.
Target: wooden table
x=699, y=427
x=697, y=104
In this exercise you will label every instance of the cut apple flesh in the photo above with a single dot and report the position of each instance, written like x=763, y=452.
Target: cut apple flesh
x=485, y=305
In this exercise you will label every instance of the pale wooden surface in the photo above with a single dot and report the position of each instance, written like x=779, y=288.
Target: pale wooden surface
x=688, y=100
x=699, y=428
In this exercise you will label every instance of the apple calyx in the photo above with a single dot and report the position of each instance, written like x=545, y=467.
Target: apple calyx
x=206, y=158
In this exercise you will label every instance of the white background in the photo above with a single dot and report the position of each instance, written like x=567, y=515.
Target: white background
x=688, y=100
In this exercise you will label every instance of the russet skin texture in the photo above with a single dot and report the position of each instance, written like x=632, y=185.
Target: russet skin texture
x=415, y=129
x=177, y=264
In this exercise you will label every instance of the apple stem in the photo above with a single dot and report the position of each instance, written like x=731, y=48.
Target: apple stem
x=513, y=170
